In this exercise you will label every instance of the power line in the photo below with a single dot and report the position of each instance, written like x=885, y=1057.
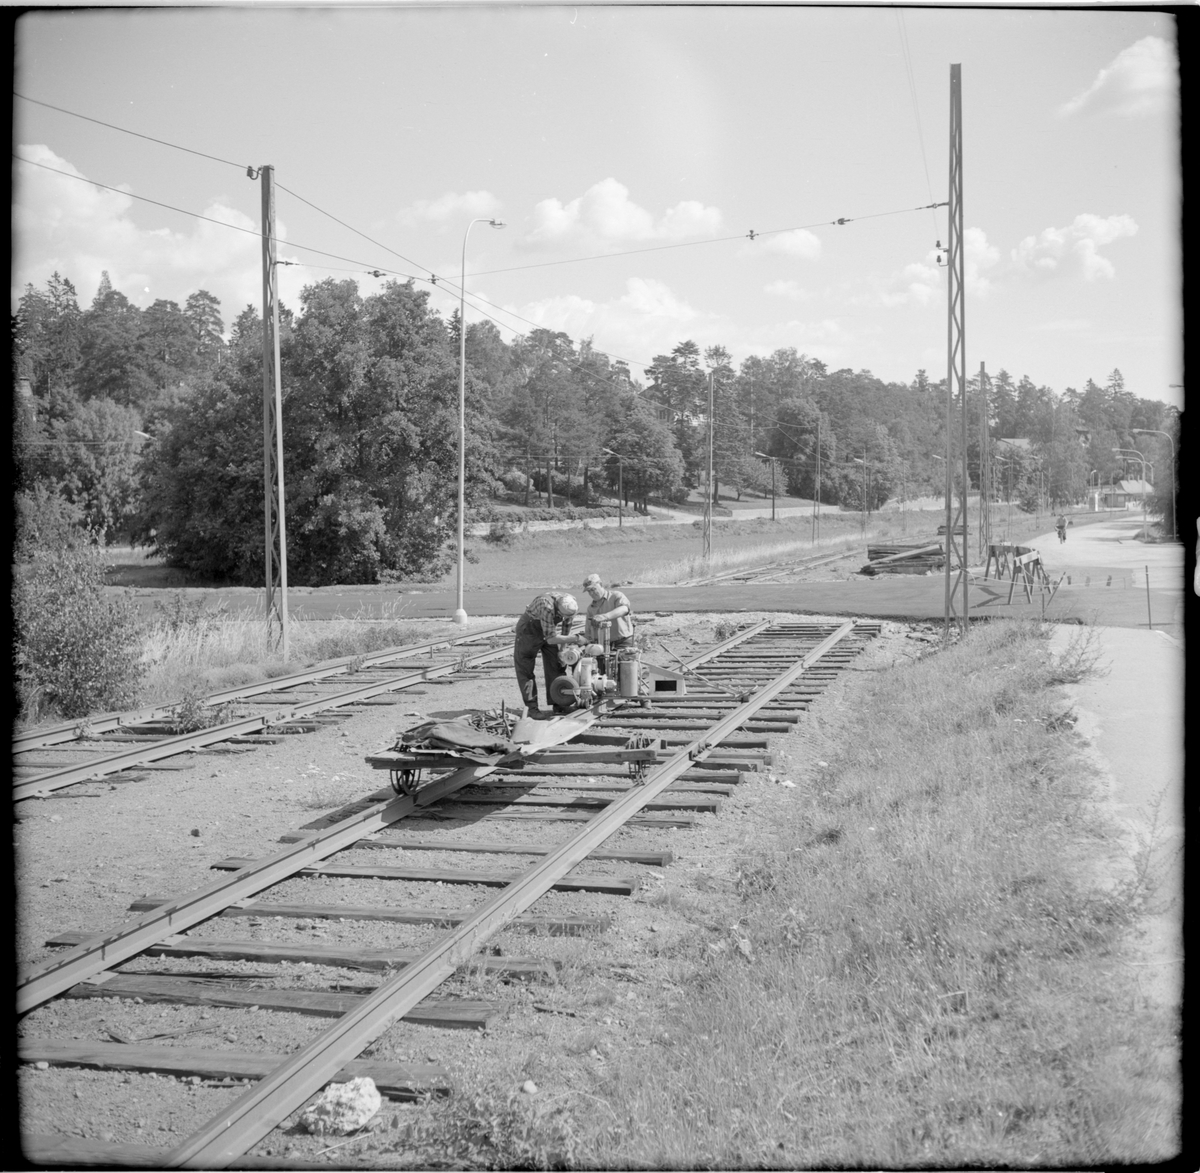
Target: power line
x=433, y=279
x=363, y=265
x=751, y=235
x=351, y=227
x=136, y=134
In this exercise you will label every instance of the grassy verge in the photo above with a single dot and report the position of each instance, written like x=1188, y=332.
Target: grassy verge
x=920, y=973
x=931, y=981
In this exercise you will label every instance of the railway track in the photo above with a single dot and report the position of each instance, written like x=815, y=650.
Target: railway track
x=769, y=571
x=298, y=703
x=658, y=761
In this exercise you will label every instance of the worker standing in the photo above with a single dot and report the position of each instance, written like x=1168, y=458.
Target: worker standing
x=609, y=610
x=544, y=627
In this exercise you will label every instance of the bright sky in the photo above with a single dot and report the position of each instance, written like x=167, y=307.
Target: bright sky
x=594, y=130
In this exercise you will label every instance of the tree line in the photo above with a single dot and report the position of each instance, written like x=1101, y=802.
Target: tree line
x=146, y=425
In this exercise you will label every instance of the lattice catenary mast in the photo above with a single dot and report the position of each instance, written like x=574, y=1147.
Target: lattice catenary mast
x=957, y=602
x=273, y=511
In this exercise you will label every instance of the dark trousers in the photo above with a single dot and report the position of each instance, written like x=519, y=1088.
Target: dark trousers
x=528, y=643
x=613, y=645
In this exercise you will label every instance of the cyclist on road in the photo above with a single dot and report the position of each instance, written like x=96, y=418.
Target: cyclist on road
x=1061, y=526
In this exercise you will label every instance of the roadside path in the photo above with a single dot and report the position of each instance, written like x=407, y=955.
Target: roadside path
x=1131, y=719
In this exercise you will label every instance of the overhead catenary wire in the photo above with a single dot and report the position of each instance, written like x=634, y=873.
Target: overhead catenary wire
x=751, y=234
x=364, y=267
x=433, y=279
x=125, y=130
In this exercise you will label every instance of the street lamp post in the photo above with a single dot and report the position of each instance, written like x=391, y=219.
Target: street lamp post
x=620, y=486
x=1142, y=460
x=772, y=460
x=460, y=614
x=1171, y=441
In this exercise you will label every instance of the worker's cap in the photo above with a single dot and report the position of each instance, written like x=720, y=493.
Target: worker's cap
x=567, y=605
x=592, y=582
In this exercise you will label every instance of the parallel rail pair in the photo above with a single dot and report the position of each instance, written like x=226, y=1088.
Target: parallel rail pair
x=164, y=746
x=768, y=668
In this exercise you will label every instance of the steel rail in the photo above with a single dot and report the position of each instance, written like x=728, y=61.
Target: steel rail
x=106, y=722
x=52, y=977
x=42, y=784
x=781, y=567
x=255, y=1113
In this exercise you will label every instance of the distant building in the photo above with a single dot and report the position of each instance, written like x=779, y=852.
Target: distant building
x=1125, y=494
x=1015, y=443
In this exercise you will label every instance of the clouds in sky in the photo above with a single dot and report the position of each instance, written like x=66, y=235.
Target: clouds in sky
x=1142, y=79
x=80, y=230
x=647, y=318
x=797, y=242
x=605, y=214
x=920, y=282
x=450, y=208
x=1075, y=249
x=650, y=318
x=792, y=290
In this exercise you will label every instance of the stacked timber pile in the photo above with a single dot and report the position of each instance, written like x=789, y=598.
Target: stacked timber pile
x=961, y=531
x=904, y=559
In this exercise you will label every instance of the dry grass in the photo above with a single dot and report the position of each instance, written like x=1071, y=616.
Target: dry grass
x=189, y=649
x=760, y=554
x=920, y=977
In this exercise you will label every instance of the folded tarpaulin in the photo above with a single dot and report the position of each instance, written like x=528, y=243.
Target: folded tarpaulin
x=458, y=736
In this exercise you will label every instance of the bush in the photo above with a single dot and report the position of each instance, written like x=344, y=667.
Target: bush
x=75, y=650
x=44, y=520
x=500, y=534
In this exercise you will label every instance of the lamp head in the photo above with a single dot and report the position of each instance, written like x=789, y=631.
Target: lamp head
x=498, y=223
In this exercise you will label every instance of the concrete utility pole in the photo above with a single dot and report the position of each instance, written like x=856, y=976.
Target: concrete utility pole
x=708, y=502
x=957, y=602
x=275, y=529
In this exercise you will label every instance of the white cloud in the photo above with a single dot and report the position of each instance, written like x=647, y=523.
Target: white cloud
x=606, y=214
x=978, y=256
x=918, y=283
x=80, y=230
x=1075, y=249
x=649, y=318
x=646, y=296
x=1142, y=79
x=450, y=207
x=789, y=289
x=799, y=242
x=922, y=282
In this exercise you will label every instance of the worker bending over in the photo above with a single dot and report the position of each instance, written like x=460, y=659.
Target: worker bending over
x=609, y=610
x=544, y=627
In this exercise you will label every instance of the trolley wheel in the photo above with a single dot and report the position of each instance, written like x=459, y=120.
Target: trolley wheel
x=404, y=782
x=638, y=770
